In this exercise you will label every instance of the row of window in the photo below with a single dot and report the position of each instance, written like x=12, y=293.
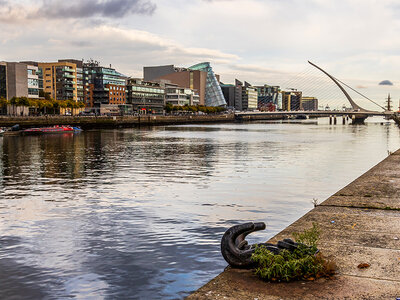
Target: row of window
x=117, y=88
x=33, y=82
x=117, y=93
x=147, y=89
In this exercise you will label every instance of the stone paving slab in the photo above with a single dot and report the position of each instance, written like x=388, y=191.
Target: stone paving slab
x=243, y=285
x=359, y=224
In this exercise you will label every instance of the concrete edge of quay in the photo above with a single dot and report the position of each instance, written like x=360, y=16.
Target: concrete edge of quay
x=89, y=122
x=360, y=224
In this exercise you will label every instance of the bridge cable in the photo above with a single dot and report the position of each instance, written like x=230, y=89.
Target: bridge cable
x=360, y=93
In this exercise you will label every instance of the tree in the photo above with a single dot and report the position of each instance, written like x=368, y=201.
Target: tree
x=4, y=101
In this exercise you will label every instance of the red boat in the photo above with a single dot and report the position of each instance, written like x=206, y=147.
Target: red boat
x=54, y=129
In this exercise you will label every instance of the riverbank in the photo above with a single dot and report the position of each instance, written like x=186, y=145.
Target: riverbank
x=360, y=224
x=88, y=122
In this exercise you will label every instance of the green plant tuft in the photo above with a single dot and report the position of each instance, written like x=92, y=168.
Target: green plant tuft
x=309, y=236
x=302, y=263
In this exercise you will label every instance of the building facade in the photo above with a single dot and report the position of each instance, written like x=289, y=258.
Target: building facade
x=80, y=78
x=269, y=94
x=59, y=80
x=291, y=100
x=213, y=92
x=228, y=90
x=103, y=86
x=179, y=96
x=199, y=78
x=145, y=96
x=309, y=103
x=18, y=80
x=183, y=77
x=249, y=97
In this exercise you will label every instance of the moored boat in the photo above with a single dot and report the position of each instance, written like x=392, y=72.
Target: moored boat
x=53, y=129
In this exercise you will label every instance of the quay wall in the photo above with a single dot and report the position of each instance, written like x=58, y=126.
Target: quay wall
x=88, y=122
x=360, y=225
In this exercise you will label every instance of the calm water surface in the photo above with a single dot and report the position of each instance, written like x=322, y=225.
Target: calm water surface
x=139, y=213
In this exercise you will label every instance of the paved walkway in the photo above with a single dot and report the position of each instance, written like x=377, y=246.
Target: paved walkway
x=359, y=224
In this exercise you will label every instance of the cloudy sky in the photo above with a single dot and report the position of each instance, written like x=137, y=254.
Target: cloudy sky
x=261, y=41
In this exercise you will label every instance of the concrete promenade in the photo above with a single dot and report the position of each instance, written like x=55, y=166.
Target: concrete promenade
x=359, y=224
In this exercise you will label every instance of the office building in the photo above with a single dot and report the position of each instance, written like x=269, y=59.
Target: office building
x=249, y=97
x=179, y=96
x=18, y=80
x=291, y=100
x=309, y=103
x=80, y=79
x=200, y=78
x=103, y=86
x=213, y=92
x=269, y=94
x=228, y=90
x=145, y=96
x=59, y=80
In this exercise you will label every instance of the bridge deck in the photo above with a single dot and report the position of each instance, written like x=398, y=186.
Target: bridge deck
x=319, y=113
x=365, y=229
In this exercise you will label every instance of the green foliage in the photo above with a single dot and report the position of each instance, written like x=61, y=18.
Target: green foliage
x=3, y=101
x=302, y=263
x=45, y=106
x=309, y=236
x=194, y=108
x=44, y=95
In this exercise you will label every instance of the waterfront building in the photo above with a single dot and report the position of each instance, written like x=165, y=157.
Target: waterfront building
x=180, y=96
x=3, y=80
x=80, y=78
x=59, y=80
x=233, y=94
x=291, y=100
x=249, y=97
x=200, y=78
x=145, y=96
x=309, y=103
x=228, y=90
x=213, y=96
x=238, y=95
x=103, y=86
x=18, y=79
x=268, y=95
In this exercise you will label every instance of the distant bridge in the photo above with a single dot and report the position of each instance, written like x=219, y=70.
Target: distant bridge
x=358, y=114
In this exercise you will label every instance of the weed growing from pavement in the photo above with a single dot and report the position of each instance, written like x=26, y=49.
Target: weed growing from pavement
x=303, y=263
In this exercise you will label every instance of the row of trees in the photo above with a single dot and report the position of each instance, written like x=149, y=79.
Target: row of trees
x=42, y=105
x=193, y=108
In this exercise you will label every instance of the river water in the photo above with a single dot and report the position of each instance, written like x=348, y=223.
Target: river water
x=139, y=213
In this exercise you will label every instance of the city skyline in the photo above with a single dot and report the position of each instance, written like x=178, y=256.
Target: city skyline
x=258, y=41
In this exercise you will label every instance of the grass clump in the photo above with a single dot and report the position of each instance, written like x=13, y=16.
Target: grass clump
x=303, y=263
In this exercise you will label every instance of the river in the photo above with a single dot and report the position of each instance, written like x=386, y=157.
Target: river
x=139, y=213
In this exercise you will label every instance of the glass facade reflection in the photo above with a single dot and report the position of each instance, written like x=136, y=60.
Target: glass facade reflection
x=214, y=96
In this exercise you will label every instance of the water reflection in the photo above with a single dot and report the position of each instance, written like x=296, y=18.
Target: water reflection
x=139, y=213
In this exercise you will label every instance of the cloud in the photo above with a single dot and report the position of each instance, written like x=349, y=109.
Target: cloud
x=361, y=87
x=90, y=8
x=11, y=12
x=126, y=49
x=386, y=82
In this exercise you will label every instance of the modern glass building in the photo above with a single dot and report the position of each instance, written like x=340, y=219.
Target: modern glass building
x=214, y=95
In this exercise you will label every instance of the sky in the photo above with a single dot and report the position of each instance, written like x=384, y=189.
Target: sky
x=260, y=41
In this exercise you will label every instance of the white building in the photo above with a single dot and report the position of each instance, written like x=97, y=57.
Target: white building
x=180, y=96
